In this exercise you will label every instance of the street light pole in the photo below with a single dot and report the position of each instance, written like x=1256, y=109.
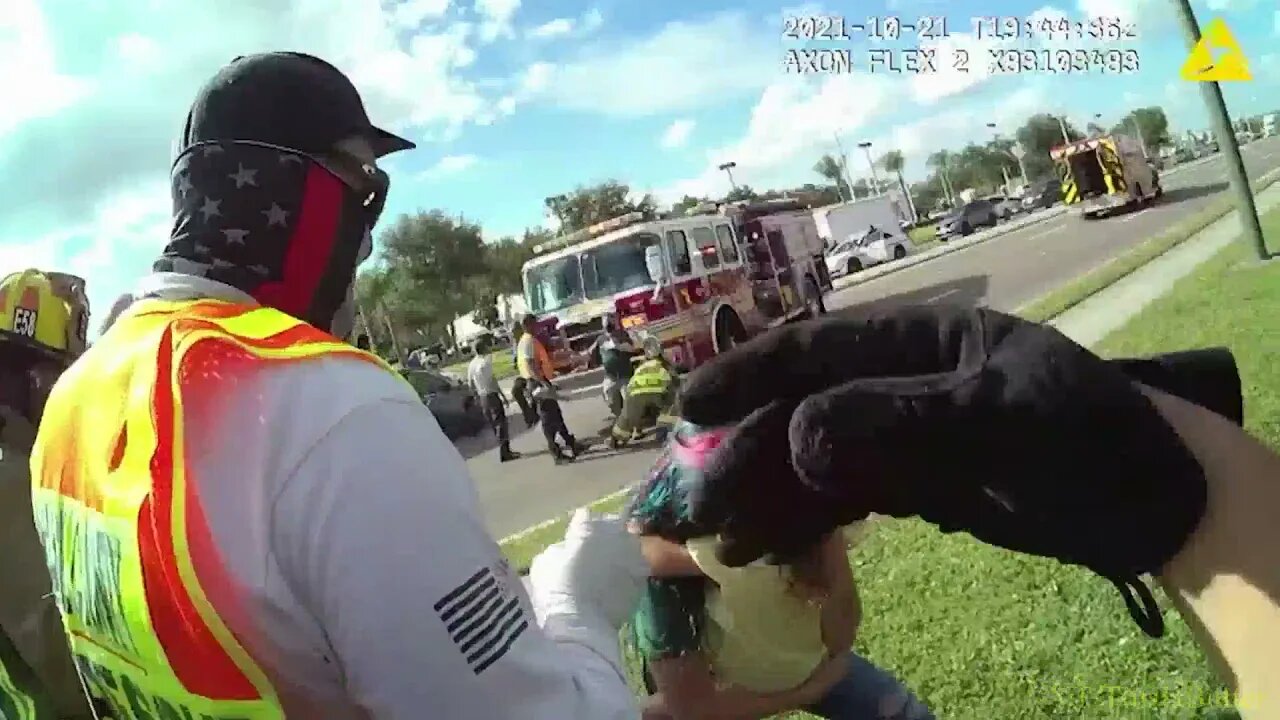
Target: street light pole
x=728, y=169
x=1004, y=171
x=844, y=168
x=1226, y=141
x=875, y=178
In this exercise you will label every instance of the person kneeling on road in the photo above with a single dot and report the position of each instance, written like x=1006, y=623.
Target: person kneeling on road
x=649, y=398
x=616, y=353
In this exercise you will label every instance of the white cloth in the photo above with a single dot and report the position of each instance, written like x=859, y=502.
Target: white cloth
x=371, y=589
x=568, y=571
x=480, y=375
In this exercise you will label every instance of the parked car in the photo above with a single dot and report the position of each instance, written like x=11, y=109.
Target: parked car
x=970, y=217
x=1005, y=207
x=452, y=403
x=872, y=247
x=1042, y=194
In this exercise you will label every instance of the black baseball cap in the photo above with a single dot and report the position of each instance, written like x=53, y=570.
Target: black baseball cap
x=284, y=98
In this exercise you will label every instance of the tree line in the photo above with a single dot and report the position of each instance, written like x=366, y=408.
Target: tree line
x=434, y=266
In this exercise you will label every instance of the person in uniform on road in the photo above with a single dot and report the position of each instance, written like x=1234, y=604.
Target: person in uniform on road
x=534, y=363
x=520, y=386
x=616, y=352
x=268, y=522
x=43, y=324
x=492, y=400
x=650, y=397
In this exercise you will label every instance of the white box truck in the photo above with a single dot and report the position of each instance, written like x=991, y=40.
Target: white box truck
x=836, y=223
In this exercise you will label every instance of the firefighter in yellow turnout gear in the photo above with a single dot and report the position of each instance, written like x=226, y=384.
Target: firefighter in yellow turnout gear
x=650, y=397
x=43, y=322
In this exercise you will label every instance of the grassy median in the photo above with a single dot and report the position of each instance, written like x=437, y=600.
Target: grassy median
x=983, y=634
x=1071, y=294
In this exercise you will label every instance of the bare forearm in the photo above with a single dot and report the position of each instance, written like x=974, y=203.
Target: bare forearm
x=841, y=616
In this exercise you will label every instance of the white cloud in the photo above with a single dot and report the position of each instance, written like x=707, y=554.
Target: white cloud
x=38, y=89
x=1126, y=10
x=496, y=18
x=794, y=122
x=589, y=22
x=410, y=14
x=686, y=64
x=123, y=233
x=676, y=134
x=961, y=64
x=69, y=201
x=552, y=29
x=450, y=165
x=529, y=83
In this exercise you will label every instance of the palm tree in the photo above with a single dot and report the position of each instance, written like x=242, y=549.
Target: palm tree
x=940, y=161
x=893, y=162
x=833, y=170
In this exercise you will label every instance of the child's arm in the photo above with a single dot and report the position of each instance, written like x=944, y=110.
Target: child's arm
x=667, y=559
x=842, y=609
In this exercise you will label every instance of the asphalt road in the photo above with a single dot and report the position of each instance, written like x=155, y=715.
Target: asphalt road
x=1004, y=272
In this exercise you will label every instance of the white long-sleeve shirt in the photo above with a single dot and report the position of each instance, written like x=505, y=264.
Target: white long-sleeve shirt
x=371, y=587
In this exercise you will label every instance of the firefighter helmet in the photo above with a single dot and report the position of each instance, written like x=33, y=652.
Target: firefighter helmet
x=46, y=311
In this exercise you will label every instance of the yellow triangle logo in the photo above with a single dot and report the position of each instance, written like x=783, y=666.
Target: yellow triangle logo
x=1217, y=57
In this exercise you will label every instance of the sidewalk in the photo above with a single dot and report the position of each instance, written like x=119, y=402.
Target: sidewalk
x=1108, y=310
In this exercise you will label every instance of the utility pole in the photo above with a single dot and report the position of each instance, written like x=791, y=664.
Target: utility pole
x=995, y=142
x=1062, y=125
x=1221, y=120
x=875, y=178
x=844, y=168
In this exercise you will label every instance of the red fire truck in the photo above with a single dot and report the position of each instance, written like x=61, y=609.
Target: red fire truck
x=699, y=283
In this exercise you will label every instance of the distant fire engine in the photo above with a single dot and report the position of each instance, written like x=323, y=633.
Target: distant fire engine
x=699, y=283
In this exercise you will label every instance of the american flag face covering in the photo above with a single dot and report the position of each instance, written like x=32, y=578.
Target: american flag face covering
x=270, y=221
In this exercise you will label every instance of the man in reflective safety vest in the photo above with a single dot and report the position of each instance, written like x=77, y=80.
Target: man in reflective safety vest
x=246, y=517
x=650, y=397
x=42, y=319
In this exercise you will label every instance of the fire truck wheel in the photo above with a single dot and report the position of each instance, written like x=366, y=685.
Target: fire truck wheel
x=728, y=331
x=813, y=297
x=899, y=252
x=855, y=265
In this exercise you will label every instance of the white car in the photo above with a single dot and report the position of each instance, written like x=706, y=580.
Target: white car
x=871, y=247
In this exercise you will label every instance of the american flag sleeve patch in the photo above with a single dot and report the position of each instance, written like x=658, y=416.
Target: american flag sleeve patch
x=483, y=617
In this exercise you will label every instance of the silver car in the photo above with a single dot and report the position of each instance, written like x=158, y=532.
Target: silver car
x=452, y=403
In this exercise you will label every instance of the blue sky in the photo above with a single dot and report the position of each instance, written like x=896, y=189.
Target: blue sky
x=511, y=101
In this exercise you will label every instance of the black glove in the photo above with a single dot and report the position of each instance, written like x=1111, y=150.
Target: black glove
x=971, y=419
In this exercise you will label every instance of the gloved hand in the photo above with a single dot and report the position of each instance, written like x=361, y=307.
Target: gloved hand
x=971, y=419
x=586, y=586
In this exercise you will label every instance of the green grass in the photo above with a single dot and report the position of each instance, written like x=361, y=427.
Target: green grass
x=983, y=634
x=924, y=235
x=504, y=365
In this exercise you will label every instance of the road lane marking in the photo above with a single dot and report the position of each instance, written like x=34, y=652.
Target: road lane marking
x=563, y=516
x=940, y=296
x=1050, y=231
